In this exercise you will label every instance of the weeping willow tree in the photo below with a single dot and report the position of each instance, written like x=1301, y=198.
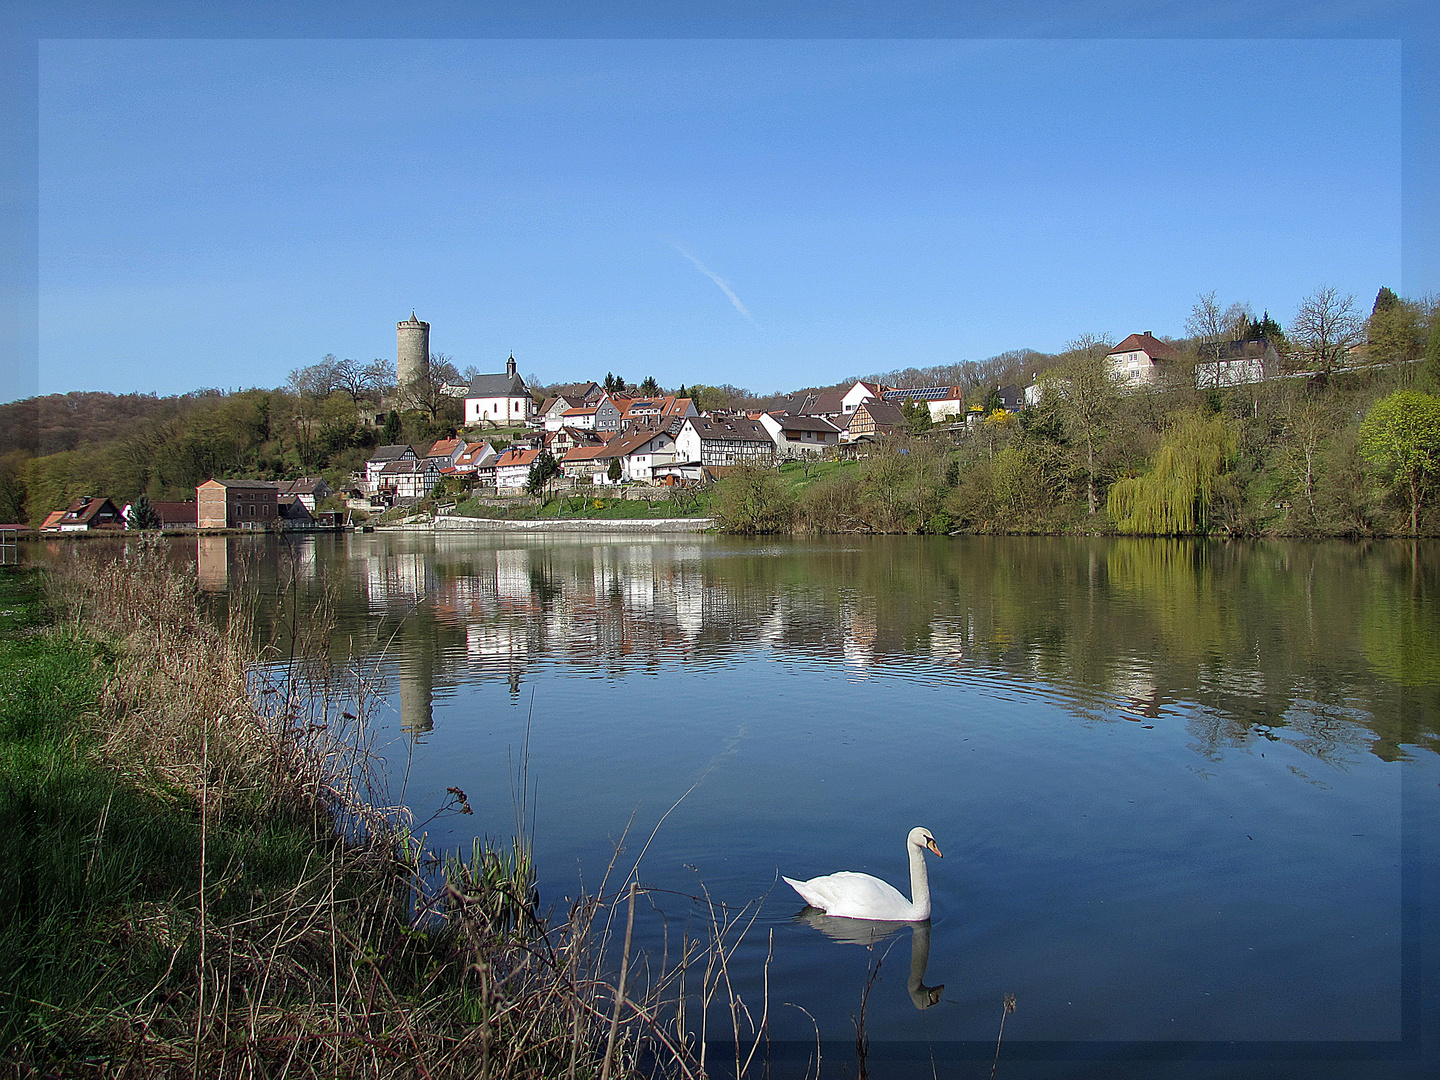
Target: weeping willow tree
x=1173, y=498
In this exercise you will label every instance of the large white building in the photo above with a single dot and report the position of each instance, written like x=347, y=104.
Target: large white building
x=498, y=400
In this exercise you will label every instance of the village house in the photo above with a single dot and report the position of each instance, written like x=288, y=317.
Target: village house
x=236, y=504
x=642, y=452
x=382, y=456
x=175, y=515
x=83, y=515
x=407, y=479
x=944, y=402
x=715, y=441
x=603, y=415
x=873, y=418
x=795, y=433
x=498, y=400
x=1140, y=359
x=1237, y=363
x=310, y=490
x=512, y=468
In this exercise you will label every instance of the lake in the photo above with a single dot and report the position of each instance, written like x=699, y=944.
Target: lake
x=1186, y=791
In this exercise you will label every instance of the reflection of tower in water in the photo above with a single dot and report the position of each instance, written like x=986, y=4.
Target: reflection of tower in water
x=417, y=696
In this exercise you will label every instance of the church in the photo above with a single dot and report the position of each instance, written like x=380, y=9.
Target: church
x=499, y=400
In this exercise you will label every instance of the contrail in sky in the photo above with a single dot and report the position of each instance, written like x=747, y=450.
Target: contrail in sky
x=729, y=292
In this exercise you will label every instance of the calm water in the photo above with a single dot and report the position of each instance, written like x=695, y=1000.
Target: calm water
x=1186, y=792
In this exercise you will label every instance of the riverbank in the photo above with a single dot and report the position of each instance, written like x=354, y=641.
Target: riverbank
x=449, y=523
x=197, y=877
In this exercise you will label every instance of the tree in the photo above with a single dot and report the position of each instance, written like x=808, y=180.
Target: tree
x=1325, y=329
x=1174, y=497
x=1396, y=332
x=1384, y=301
x=614, y=471
x=753, y=499
x=1400, y=439
x=426, y=391
x=391, y=432
x=542, y=470
x=142, y=515
x=682, y=392
x=917, y=417
x=362, y=382
x=650, y=388
x=1085, y=395
x=1430, y=373
x=1210, y=326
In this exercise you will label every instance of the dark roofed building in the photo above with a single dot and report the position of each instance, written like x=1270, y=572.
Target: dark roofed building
x=875, y=417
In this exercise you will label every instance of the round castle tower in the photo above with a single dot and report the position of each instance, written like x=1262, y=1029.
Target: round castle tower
x=412, y=349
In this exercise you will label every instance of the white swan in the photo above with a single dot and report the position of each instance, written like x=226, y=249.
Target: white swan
x=848, y=895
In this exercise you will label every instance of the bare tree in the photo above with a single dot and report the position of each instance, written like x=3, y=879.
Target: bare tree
x=1325, y=329
x=426, y=392
x=1210, y=325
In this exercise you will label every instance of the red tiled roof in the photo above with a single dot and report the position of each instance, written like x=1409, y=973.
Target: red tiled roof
x=1153, y=346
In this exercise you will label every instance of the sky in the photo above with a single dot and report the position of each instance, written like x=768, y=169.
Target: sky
x=218, y=207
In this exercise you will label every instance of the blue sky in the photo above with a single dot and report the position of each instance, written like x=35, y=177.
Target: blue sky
x=769, y=213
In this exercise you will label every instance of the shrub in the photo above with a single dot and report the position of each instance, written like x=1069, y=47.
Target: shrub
x=753, y=499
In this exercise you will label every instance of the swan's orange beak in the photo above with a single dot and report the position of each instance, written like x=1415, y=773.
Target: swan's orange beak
x=931, y=845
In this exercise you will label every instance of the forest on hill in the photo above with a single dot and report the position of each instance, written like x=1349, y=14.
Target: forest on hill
x=1304, y=452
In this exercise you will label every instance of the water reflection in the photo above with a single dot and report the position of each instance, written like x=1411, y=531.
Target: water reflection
x=870, y=932
x=1333, y=647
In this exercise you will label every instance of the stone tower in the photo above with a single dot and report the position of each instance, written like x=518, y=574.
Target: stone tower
x=412, y=349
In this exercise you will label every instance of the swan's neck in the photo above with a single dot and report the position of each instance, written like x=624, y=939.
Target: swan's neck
x=919, y=883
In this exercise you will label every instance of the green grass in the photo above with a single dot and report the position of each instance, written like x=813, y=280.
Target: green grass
x=100, y=872
x=794, y=472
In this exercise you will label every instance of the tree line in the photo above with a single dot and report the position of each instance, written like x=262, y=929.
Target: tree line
x=1345, y=441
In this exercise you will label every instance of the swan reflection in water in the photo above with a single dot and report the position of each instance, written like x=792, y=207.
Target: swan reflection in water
x=869, y=932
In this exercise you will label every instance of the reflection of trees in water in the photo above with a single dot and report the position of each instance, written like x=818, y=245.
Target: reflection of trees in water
x=1332, y=647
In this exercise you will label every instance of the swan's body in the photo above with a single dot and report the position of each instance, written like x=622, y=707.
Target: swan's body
x=848, y=895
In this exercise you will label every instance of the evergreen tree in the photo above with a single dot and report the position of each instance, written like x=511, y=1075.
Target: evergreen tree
x=682, y=392
x=142, y=515
x=615, y=470
x=544, y=468
x=1384, y=301
x=392, y=428
x=650, y=388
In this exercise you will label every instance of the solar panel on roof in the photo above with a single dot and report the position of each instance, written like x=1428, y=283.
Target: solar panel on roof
x=923, y=393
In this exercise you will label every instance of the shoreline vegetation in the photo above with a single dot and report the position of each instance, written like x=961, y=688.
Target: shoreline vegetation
x=201, y=876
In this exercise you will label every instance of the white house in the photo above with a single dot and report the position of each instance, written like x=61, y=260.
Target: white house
x=641, y=452
x=512, y=468
x=1140, y=358
x=795, y=433
x=861, y=391
x=716, y=441
x=499, y=400
x=1237, y=363
x=944, y=402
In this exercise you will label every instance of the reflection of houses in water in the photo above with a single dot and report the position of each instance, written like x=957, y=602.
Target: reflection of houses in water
x=485, y=643
x=212, y=562
x=398, y=577
x=948, y=639
x=512, y=574
x=690, y=605
x=1132, y=681
x=861, y=635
